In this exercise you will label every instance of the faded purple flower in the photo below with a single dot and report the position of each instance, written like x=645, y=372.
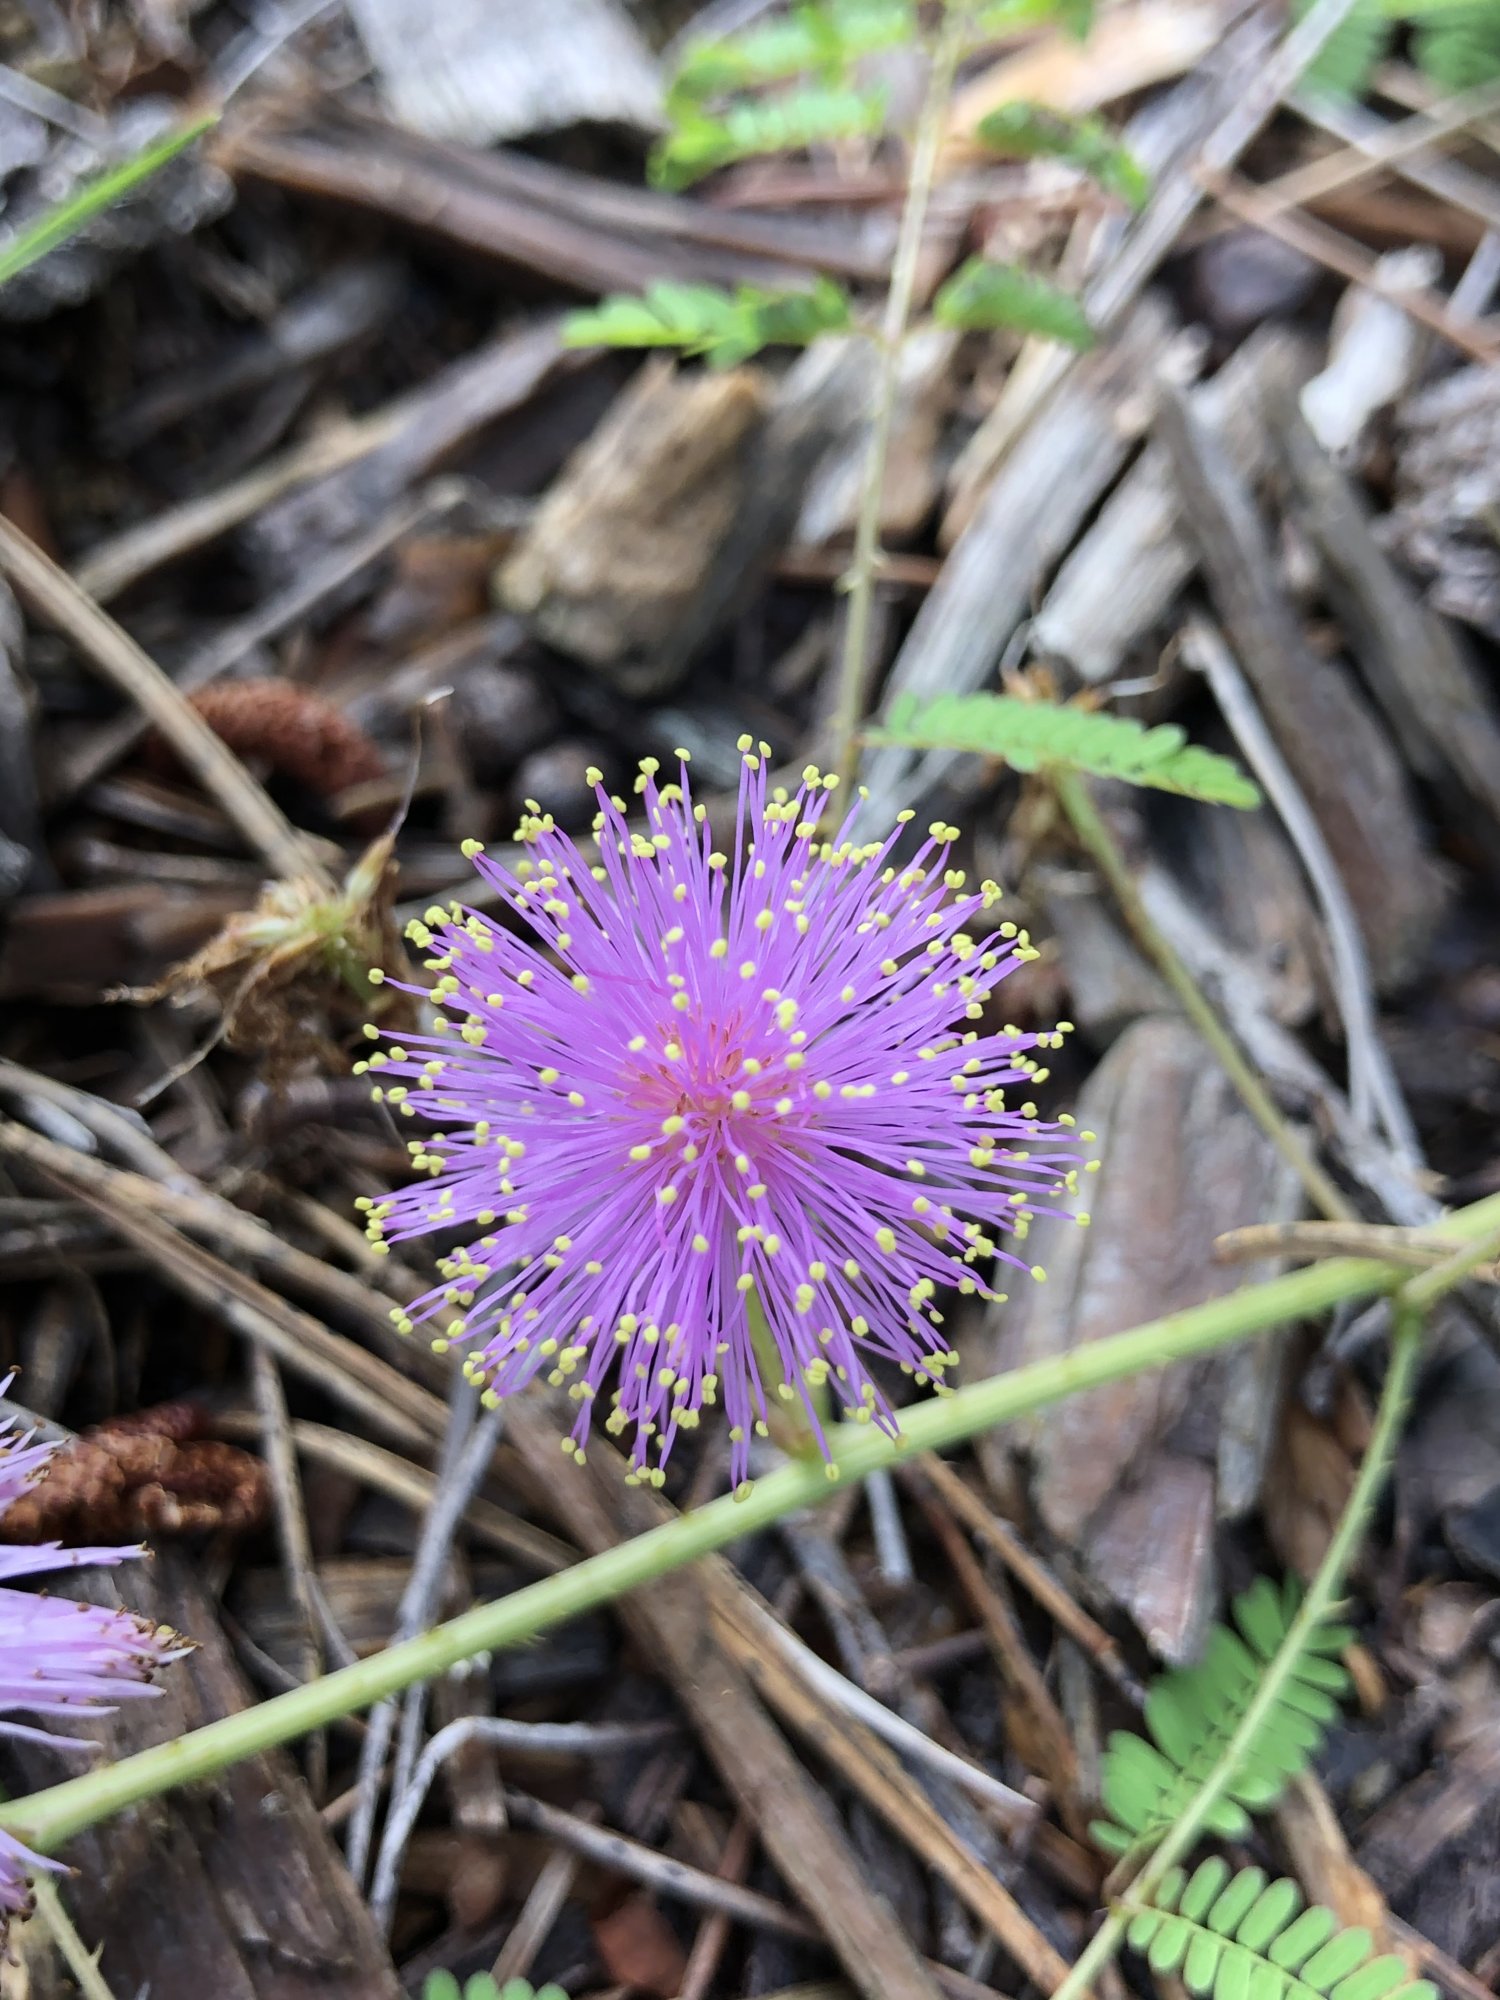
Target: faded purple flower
x=56, y=1655
x=710, y=1080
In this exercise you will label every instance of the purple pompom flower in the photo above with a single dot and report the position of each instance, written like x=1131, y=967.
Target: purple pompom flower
x=57, y=1655
x=709, y=1081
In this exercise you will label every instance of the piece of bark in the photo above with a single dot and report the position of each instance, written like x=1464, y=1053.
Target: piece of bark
x=1241, y=874
x=1431, y=1848
x=793, y=1819
x=1434, y=698
x=1028, y=517
x=1340, y=757
x=75, y=947
x=623, y=541
x=475, y=73
x=1448, y=491
x=420, y=433
x=820, y=404
x=1167, y=1513
x=1118, y=585
x=1122, y=1472
x=232, y=1887
x=1109, y=983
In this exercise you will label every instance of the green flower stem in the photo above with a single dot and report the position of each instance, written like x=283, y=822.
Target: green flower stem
x=859, y=579
x=1411, y=1303
x=1322, y=1594
x=46, y=1819
x=1072, y=794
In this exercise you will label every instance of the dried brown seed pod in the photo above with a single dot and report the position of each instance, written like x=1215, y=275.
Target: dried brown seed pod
x=290, y=730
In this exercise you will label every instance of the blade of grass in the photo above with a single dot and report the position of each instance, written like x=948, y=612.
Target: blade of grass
x=68, y=217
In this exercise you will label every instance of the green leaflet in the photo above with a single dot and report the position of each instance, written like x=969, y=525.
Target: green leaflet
x=1030, y=735
x=1348, y=60
x=1024, y=130
x=68, y=217
x=701, y=140
x=726, y=328
x=1455, y=43
x=1008, y=17
x=982, y=294
x=480, y=1986
x=1240, y=1938
x=1193, y=1713
x=808, y=40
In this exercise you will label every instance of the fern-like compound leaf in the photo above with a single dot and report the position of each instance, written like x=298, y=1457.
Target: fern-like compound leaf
x=1242, y=1938
x=985, y=294
x=1193, y=1713
x=442, y=1985
x=1021, y=130
x=702, y=140
x=1345, y=66
x=1456, y=42
x=726, y=328
x=812, y=39
x=1031, y=735
x=1009, y=17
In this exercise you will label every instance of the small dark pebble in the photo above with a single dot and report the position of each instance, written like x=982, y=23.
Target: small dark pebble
x=502, y=715
x=1244, y=277
x=557, y=778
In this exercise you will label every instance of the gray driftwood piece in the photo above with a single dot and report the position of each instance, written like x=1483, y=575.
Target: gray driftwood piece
x=1337, y=751
x=233, y=1888
x=1131, y=1478
x=1432, y=694
x=1120, y=582
x=475, y=72
x=1447, y=493
x=1056, y=475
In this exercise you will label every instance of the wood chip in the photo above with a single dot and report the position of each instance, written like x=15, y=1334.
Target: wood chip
x=1360, y=797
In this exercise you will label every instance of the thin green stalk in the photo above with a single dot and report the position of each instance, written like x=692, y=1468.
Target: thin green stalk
x=68, y=217
x=48, y=1818
x=1072, y=795
x=1411, y=1303
x=1422, y=1293
x=859, y=579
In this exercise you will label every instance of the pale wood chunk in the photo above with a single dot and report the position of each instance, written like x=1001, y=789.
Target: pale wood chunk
x=473, y=72
x=624, y=540
x=1338, y=753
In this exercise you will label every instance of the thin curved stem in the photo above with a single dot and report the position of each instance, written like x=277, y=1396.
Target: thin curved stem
x=1072, y=795
x=859, y=579
x=1411, y=1304
x=48, y=1818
